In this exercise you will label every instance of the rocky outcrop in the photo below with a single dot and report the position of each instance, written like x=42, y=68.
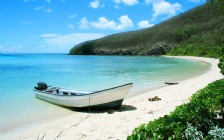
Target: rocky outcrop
x=160, y=48
x=156, y=98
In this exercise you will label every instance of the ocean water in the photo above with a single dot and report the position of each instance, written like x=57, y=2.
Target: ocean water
x=19, y=73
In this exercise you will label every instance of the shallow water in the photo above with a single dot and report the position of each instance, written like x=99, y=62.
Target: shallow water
x=19, y=73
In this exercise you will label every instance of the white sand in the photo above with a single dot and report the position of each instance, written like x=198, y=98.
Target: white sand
x=119, y=124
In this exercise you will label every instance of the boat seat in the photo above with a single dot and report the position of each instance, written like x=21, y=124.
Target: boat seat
x=48, y=91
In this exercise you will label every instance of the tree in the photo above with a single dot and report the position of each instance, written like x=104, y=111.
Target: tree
x=212, y=1
x=218, y=37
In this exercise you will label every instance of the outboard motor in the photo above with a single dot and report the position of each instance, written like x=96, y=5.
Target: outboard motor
x=41, y=86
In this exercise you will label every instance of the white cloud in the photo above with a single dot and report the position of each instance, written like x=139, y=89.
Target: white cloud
x=26, y=22
x=72, y=16
x=195, y=1
x=48, y=11
x=27, y=1
x=84, y=23
x=39, y=8
x=69, y=40
x=44, y=9
x=127, y=2
x=117, y=1
x=116, y=7
x=125, y=22
x=49, y=1
x=152, y=1
x=95, y=4
x=130, y=2
x=144, y=24
x=49, y=35
x=70, y=26
x=162, y=7
x=104, y=23
x=13, y=48
x=42, y=46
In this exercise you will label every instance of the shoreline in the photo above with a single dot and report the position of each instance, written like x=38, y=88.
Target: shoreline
x=119, y=124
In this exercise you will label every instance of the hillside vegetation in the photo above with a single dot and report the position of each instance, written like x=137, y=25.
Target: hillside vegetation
x=198, y=32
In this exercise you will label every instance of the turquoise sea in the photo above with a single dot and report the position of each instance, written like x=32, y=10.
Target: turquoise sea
x=19, y=73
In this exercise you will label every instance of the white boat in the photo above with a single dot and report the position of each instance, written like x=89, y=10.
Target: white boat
x=107, y=98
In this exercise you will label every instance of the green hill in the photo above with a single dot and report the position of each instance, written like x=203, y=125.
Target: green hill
x=199, y=32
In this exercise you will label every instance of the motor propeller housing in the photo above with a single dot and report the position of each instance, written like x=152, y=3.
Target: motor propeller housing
x=41, y=86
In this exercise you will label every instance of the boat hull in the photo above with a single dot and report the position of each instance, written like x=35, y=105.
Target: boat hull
x=108, y=98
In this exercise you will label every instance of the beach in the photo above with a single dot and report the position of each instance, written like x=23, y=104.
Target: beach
x=118, y=124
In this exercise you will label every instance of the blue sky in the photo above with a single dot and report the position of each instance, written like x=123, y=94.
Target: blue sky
x=44, y=26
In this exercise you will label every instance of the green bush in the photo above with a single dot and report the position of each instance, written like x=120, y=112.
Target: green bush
x=221, y=64
x=216, y=133
x=202, y=117
x=192, y=133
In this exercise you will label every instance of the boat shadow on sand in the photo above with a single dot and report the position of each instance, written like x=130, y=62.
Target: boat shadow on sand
x=123, y=108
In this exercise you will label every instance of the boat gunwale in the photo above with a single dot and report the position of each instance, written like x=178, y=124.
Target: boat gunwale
x=83, y=94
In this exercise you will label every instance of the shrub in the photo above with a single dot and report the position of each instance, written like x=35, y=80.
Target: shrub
x=216, y=133
x=192, y=133
x=205, y=110
x=221, y=64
